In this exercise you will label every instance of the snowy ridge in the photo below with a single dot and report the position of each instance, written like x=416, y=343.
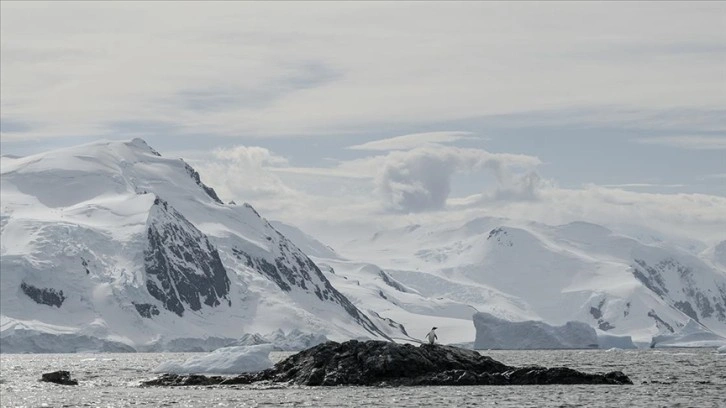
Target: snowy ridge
x=114, y=242
x=309, y=245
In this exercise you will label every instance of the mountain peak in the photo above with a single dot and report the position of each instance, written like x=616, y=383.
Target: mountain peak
x=141, y=144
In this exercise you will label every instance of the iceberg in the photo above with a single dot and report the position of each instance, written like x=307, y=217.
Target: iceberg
x=693, y=334
x=495, y=333
x=227, y=360
x=609, y=341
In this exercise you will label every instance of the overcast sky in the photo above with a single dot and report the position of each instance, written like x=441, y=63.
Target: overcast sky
x=338, y=115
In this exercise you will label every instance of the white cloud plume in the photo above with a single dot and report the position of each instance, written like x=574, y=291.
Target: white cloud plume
x=243, y=173
x=420, y=179
x=417, y=183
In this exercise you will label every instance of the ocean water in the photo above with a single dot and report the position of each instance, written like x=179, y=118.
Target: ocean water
x=663, y=378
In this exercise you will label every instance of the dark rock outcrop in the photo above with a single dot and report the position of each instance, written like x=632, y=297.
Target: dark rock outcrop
x=182, y=267
x=43, y=296
x=59, y=377
x=379, y=363
x=146, y=310
x=694, y=299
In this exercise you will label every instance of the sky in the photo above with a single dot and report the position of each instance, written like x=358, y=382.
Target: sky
x=360, y=116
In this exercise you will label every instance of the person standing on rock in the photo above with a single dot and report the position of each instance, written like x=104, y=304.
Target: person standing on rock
x=432, y=336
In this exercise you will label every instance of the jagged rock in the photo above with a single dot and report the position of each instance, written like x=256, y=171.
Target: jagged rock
x=379, y=363
x=182, y=267
x=59, y=377
x=562, y=375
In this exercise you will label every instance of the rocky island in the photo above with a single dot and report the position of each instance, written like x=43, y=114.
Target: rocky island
x=380, y=363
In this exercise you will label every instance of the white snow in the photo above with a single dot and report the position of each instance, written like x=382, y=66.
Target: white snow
x=495, y=333
x=227, y=360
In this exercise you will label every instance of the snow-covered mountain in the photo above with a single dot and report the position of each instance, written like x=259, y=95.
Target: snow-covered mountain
x=521, y=271
x=619, y=284
x=111, y=246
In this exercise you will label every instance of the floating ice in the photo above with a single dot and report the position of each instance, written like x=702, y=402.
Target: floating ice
x=227, y=360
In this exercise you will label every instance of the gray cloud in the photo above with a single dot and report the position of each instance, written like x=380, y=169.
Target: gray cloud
x=293, y=78
x=313, y=69
x=13, y=126
x=139, y=128
x=687, y=142
x=410, y=141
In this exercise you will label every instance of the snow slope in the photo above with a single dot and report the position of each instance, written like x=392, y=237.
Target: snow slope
x=113, y=242
x=403, y=313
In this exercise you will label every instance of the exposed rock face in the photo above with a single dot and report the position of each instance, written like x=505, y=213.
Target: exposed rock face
x=182, y=266
x=195, y=175
x=146, y=310
x=43, y=296
x=379, y=363
x=695, y=299
x=291, y=270
x=59, y=377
